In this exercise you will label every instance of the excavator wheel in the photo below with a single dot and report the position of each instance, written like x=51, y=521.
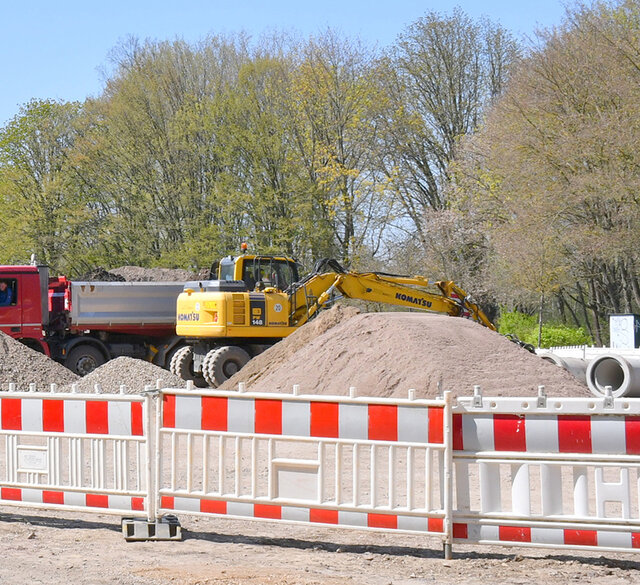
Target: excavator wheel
x=221, y=363
x=182, y=366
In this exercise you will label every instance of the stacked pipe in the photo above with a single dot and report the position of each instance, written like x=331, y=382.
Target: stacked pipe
x=621, y=373
x=573, y=365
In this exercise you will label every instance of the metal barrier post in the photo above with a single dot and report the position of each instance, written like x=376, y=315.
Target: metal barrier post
x=448, y=479
x=149, y=402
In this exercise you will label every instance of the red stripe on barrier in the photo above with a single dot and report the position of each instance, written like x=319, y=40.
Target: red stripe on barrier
x=509, y=432
x=11, y=494
x=169, y=411
x=51, y=497
x=574, y=434
x=632, y=434
x=514, y=533
x=267, y=511
x=97, y=501
x=382, y=521
x=214, y=413
x=137, y=424
x=268, y=416
x=458, y=440
x=11, y=414
x=97, y=415
x=324, y=419
x=323, y=516
x=435, y=525
x=581, y=537
x=635, y=540
x=53, y=416
x=167, y=501
x=137, y=503
x=383, y=422
x=460, y=531
x=212, y=506
x=436, y=425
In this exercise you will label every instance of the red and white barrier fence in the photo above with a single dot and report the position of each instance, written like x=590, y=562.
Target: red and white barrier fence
x=355, y=462
x=547, y=472
x=75, y=452
x=513, y=471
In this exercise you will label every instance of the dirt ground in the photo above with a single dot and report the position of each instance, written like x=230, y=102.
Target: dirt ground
x=50, y=548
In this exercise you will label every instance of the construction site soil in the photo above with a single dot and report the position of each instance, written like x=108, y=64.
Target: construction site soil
x=381, y=354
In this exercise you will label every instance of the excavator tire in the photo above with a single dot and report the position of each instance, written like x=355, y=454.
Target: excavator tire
x=182, y=366
x=221, y=363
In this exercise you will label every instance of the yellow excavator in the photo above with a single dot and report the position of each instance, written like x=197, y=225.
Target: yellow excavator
x=257, y=300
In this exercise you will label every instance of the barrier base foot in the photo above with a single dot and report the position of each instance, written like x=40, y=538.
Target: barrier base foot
x=165, y=528
x=447, y=551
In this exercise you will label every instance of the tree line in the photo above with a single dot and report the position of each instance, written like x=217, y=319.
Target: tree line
x=457, y=152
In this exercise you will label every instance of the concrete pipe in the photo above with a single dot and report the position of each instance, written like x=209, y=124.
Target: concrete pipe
x=621, y=373
x=575, y=366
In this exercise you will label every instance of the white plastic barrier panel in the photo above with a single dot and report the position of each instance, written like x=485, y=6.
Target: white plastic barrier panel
x=353, y=462
x=74, y=452
x=547, y=472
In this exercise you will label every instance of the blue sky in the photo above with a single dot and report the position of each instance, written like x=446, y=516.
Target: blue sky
x=57, y=49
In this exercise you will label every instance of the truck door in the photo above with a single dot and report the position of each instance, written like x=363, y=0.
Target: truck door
x=11, y=314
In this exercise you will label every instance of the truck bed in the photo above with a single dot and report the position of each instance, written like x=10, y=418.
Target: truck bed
x=124, y=305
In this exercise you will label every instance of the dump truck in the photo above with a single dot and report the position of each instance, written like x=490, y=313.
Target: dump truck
x=84, y=324
x=256, y=300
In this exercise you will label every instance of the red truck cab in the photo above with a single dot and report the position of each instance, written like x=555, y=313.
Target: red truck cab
x=27, y=316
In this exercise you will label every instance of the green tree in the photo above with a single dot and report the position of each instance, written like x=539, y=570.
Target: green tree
x=41, y=212
x=335, y=99
x=557, y=164
x=441, y=74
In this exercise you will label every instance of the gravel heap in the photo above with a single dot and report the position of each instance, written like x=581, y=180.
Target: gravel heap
x=140, y=274
x=23, y=366
x=386, y=354
x=100, y=274
x=133, y=373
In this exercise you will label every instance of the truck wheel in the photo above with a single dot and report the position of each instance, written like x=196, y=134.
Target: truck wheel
x=182, y=366
x=222, y=363
x=83, y=359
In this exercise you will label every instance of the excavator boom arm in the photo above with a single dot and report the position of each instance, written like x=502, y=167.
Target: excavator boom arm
x=319, y=289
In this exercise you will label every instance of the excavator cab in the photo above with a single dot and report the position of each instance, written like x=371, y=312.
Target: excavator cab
x=260, y=272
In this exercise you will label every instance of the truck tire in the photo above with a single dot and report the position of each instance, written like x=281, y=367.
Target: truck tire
x=182, y=366
x=221, y=363
x=83, y=359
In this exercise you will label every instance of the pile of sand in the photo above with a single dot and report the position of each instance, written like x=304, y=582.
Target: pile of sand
x=386, y=354
x=22, y=366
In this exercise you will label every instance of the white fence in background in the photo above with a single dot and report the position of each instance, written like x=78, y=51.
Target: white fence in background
x=513, y=471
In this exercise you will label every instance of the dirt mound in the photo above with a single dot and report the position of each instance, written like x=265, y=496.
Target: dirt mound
x=23, y=366
x=140, y=274
x=271, y=361
x=133, y=373
x=385, y=354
